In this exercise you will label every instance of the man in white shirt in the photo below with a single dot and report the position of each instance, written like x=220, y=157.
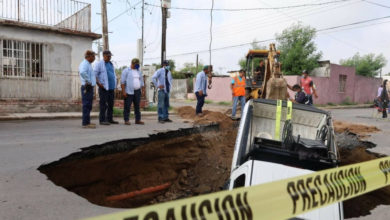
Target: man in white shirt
x=132, y=83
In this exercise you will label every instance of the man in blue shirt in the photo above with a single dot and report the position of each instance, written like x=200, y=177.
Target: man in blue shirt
x=88, y=82
x=132, y=83
x=106, y=80
x=201, y=87
x=162, y=79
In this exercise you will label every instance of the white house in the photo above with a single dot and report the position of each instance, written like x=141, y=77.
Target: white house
x=41, y=47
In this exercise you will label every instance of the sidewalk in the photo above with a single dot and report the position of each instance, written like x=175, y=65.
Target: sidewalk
x=57, y=115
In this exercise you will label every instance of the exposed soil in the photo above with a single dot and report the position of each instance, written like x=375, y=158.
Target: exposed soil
x=193, y=161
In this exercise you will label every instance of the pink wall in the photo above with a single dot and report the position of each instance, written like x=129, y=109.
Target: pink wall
x=358, y=89
x=220, y=90
x=366, y=89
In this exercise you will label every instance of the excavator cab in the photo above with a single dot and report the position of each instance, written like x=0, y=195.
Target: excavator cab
x=271, y=84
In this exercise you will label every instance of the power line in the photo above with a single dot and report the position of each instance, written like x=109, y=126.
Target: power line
x=253, y=9
x=267, y=40
x=120, y=14
x=377, y=4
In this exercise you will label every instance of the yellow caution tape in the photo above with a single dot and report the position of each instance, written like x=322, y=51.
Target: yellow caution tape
x=277, y=119
x=282, y=199
x=289, y=110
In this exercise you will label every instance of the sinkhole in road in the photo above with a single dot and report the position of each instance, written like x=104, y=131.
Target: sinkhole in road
x=183, y=163
x=165, y=166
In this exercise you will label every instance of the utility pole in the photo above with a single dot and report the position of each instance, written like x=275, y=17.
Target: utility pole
x=164, y=33
x=142, y=50
x=197, y=63
x=104, y=25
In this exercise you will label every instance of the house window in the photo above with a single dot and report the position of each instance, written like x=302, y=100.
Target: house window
x=21, y=59
x=342, y=82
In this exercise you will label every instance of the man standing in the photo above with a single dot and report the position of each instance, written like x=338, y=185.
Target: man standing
x=106, y=80
x=238, y=92
x=132, y=83
x=308, y=87
x=201, y=87
x=88, y=82
x=162, y=78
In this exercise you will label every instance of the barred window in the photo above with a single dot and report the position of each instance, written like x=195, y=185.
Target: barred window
x=21, y=59
x=342, y=82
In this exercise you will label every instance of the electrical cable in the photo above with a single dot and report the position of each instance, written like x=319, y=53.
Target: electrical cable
x=267, y=40
x=377, y=4
x=254, y=9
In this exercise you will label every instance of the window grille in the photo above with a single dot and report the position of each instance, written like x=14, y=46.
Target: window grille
x=21, y=59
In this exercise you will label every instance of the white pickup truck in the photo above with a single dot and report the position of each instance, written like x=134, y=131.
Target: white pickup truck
x=304, y=145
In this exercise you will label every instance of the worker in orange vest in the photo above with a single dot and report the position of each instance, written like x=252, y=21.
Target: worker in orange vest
x=238, y=92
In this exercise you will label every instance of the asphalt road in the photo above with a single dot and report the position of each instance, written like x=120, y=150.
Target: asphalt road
x=25, y=193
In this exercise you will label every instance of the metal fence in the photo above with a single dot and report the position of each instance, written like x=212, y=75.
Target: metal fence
x=67, y=14
x=53, y=85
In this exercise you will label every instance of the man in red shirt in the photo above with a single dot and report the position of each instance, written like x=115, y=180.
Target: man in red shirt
x=308, y=86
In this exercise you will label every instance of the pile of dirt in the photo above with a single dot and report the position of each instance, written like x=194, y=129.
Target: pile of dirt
x=191, y=164
x=208, y=117
x=359, y=129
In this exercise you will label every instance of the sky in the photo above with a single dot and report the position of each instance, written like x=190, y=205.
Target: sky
x=189, y=31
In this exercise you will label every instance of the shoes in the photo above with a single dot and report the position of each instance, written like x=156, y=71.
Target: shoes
x=161, y=121
x=113, y=122
x=104, y=123
x=167, y=120
x=233, y=117
x=139, y=123
x=200, y=114
x=127, y=123
x=89, y=126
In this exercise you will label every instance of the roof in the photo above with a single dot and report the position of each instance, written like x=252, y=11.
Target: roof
x=259, y=53
x=58, y=30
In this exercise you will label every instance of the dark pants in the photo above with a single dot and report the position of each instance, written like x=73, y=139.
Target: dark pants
x=310, y=99
x=106, y=105
x=86, y=98
x=136, y=99
x=384, y=113
x=200, y=103
x=163, y=105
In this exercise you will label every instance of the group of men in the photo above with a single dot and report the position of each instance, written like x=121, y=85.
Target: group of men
x=132, y=84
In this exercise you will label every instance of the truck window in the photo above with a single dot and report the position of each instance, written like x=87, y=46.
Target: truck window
x=240, y=181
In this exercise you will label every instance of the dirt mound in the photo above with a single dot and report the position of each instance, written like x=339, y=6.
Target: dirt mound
x=359, y=129
x=208, y=117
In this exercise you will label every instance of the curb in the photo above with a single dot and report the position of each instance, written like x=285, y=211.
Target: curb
x=347, y=107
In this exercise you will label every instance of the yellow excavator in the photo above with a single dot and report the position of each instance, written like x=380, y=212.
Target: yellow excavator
x=265, y=82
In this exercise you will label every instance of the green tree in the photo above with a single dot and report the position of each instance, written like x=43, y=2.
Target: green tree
x=298, y=50
x=366, y=65
x=254, y=46
x=118, y=71
x=191, y=68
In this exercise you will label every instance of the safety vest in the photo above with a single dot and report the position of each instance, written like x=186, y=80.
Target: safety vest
x=239, y=87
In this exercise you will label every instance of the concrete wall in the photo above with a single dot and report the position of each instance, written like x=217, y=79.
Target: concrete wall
x=62, y=56
x=179, y=89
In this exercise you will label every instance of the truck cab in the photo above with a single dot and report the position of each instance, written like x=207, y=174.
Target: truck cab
x=304, y=144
